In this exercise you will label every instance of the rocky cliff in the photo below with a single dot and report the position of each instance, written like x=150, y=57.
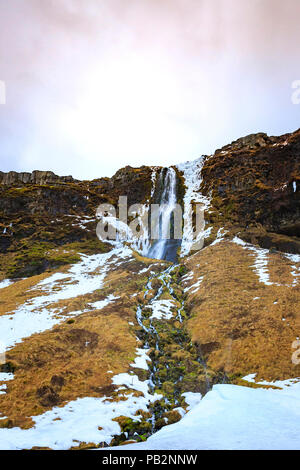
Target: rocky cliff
x=40, y=212
x=36, y=177
x=254, y=184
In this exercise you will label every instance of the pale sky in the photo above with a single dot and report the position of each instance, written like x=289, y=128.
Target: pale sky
x=94, y=85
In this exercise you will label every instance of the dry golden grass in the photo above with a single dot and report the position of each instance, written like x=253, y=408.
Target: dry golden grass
x=69, y=361
x=149, y=261
x=16, y=294
x=237, y=320
x=73, y=359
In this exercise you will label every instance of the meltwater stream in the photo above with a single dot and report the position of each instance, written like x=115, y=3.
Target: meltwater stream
x=166, y=245
x=158, y=332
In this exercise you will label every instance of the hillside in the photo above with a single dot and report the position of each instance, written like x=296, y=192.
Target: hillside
x=105, y=345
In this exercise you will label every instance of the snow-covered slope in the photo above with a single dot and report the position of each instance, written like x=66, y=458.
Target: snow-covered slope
x=233, y=417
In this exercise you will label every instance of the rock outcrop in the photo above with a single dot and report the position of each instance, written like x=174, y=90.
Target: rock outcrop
x=254, y=182
x=41, y=211
x=36, y=177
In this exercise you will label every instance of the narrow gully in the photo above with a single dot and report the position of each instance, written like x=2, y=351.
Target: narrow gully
x=159, y=334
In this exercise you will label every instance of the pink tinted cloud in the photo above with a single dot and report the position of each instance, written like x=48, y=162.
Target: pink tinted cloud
x=230, y=62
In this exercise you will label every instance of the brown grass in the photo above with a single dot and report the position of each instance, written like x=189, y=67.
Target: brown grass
x=72, y=359
x=16, y=294
x=240, y=335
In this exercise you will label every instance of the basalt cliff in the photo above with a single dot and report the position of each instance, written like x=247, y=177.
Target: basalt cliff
x=105, y=344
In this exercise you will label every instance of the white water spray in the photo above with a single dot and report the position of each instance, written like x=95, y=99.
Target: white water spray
x=166, y=209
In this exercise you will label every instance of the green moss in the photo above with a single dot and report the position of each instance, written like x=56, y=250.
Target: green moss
x=37, y=257
x=182, y=270
x=34, y=257
x=130, y=428
x=88, y=247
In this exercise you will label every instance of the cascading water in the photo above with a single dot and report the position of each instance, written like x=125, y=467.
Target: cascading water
x=166, y=247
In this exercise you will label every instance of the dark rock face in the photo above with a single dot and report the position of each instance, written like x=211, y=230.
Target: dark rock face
x=255, y=181
x=40, y=211
x=251, y=142
x=36, y=177
x=52, y=201
x=135, y=183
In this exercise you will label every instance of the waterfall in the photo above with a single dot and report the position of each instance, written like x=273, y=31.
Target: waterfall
x=166, y=247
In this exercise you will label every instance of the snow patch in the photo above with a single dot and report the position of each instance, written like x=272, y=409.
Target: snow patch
x=5, y=283
x=231, y=417
x=193, y=180
x=195, y=286
x=83, y=420
x=161, y=309
x=192, y=399
x=261, y=262
x=141, y=360
x=5, y=377
x=35, y=316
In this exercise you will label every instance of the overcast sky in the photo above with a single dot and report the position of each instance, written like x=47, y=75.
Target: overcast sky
x=94, y=85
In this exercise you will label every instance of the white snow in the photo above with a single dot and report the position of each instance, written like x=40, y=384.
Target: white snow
x=293, y=258
x=192, y=399
x=121, y=232
x=153, y=179
x=82, y=278
x=78, y=421
x=5, y=377
x=143, y=271
x=192, y=175
x=161, y=309
x=5, y=283
x=234, y=417
x=142, y=358
x=103, y=303
x=277, y=383
x=195, y=286
x=132, y=381
x=2, y=389
x=180, y=410
x=295, y=269
x=220, y=236
x=83, y=420
x=261, y=263
x=188, y=276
